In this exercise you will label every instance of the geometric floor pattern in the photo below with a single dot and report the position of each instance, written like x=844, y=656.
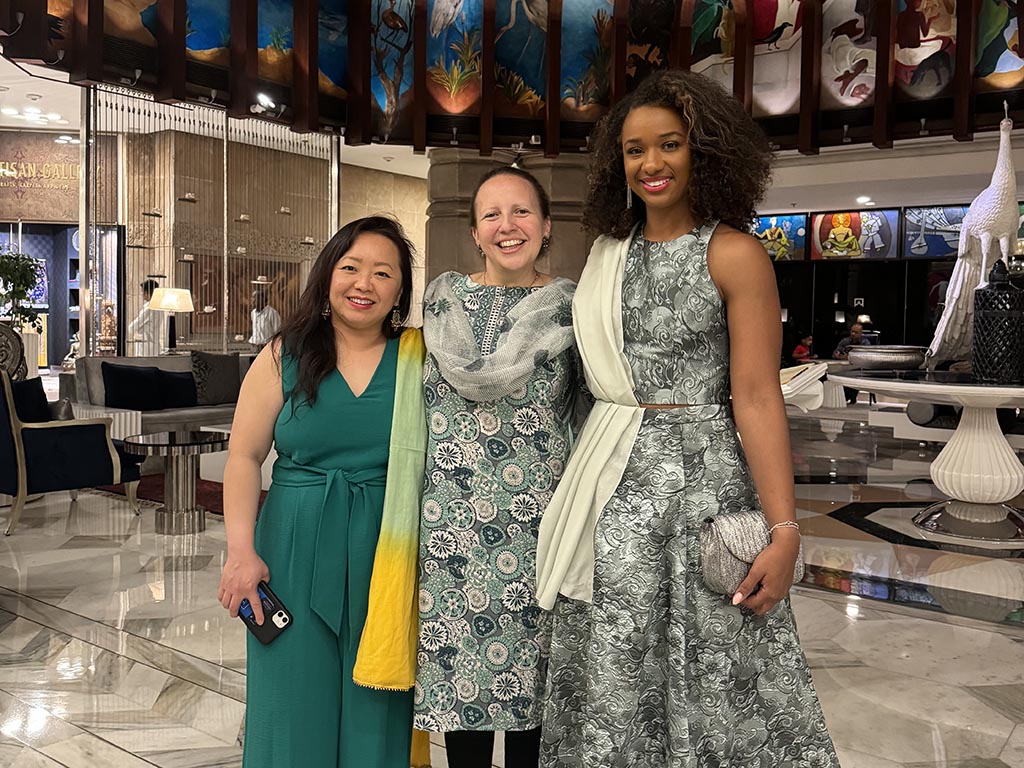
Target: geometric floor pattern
x=114, y=651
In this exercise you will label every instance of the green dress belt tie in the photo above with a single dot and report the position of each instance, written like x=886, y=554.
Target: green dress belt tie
x=346, y=495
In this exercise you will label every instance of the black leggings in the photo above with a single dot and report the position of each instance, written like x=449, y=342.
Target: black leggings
x=475, y=749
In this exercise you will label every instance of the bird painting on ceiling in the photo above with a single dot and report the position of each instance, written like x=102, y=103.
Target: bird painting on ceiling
x=443, y=16
x=391, y=42
x=775, y=35
x=536, y=12
x=993, y=219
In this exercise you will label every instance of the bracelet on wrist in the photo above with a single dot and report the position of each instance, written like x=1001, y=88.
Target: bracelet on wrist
x=784, y=524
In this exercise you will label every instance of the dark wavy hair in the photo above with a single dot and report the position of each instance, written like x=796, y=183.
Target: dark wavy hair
x=730, y=160
x=307, y=336
x=508, y=170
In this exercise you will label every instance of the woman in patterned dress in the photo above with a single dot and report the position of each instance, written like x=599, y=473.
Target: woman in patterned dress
x=676, y=310
x=500, y=384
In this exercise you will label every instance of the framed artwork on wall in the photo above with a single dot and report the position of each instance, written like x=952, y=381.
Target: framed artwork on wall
x=932, y=233
x=784, y=236
x=867, y=234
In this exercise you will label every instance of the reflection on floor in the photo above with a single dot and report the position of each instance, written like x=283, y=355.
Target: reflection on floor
x=114, y=652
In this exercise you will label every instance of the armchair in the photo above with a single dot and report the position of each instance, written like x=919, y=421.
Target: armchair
x=46, y=455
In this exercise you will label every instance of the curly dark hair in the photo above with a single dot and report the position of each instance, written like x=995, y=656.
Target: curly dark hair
x=730, y=160
x=307, y=336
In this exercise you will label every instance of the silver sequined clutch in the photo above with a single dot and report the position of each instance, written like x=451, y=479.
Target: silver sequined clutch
x=729, y=543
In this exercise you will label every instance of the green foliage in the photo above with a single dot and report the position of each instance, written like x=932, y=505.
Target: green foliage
x=514, y=88
x=581, y=90
x=468, y=49
x=707, y=19
x=464, y=69
x=279, y=38
x=991, y=45
x=19, y=274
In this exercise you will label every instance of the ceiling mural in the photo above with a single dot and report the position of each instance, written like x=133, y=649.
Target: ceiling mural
x=454, y=48
x=332, y=46
x=207, y=31
x=274, y=40
x=849, y=48
x=586, y=59
x=520, y=56
x=925, y=47
x=391, y=51
x=713, y=40
x=777, y=25
x=997, y=64
x=373, y=72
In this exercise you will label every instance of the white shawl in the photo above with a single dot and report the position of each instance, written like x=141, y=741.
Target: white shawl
x=565, y=546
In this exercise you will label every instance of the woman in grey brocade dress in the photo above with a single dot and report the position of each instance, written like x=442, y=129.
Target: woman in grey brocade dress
x=649, y=668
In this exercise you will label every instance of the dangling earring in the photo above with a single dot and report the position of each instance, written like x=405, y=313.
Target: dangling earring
x=545, y=243
x=480, y=250
x=629, y=196
x=396, y=319
x=326, y=311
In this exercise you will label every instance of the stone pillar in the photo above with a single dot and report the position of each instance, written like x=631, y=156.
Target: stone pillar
x=454, y=174
x=565, y=179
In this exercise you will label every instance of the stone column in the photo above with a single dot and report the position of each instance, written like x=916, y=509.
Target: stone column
x=454, y=174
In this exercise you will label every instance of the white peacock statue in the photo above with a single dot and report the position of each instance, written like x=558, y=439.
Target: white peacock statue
x=993, y=217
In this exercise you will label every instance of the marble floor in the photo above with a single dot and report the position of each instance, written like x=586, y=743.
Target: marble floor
x=114, y=652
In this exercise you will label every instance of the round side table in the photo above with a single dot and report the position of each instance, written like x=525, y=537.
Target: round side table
x=180, y=514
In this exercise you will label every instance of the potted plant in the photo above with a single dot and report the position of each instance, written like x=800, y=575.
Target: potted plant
x=19, y=274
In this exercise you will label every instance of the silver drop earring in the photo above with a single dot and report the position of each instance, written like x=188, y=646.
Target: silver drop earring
x=629, y=196
x=326, y=311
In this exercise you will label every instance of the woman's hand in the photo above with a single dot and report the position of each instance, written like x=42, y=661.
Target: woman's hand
x=238, y=580
x=771, y=574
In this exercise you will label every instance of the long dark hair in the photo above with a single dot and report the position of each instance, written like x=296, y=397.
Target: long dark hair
x=730, y=160
x=307, y=336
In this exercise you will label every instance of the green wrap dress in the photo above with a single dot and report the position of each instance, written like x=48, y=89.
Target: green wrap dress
x=317, y=533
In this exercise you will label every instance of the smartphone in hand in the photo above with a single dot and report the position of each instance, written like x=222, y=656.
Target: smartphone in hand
x=276, y=618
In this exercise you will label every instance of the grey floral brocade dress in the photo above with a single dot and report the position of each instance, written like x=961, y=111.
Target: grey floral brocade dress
x=659, y=672
x=491, y=469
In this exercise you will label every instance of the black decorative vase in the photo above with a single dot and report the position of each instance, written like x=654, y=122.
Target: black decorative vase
x=999, y=329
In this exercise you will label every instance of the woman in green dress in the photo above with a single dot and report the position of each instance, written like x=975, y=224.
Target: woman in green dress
x=337, y=532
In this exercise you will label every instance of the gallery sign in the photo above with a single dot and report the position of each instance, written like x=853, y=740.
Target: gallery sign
x=38, y=178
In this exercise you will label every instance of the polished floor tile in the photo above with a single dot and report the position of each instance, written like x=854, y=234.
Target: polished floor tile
x=114, y=651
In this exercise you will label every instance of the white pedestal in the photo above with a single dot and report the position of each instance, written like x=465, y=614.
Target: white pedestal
x=211, y=465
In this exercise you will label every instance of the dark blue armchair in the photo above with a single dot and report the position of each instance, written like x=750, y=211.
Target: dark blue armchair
x=39, y=454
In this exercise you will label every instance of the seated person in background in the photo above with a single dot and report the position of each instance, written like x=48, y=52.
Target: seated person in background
x=856, y=338
x=804, y=351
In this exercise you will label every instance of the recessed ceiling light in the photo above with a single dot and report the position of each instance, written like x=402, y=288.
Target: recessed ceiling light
x=79, y=141
x=53, y=116
x=62, y=140
x=870, y=202
x=66, y=137
x=9, y=111
x=62, y=122
x=32, y=110
x=863, y=199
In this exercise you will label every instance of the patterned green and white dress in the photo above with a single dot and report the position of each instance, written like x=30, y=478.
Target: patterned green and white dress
x=492, y=465
x=658, y=671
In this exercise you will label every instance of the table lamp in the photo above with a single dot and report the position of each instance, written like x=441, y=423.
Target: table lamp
x=172, y=300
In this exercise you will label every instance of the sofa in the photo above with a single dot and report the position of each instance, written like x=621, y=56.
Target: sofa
x=156, y=397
